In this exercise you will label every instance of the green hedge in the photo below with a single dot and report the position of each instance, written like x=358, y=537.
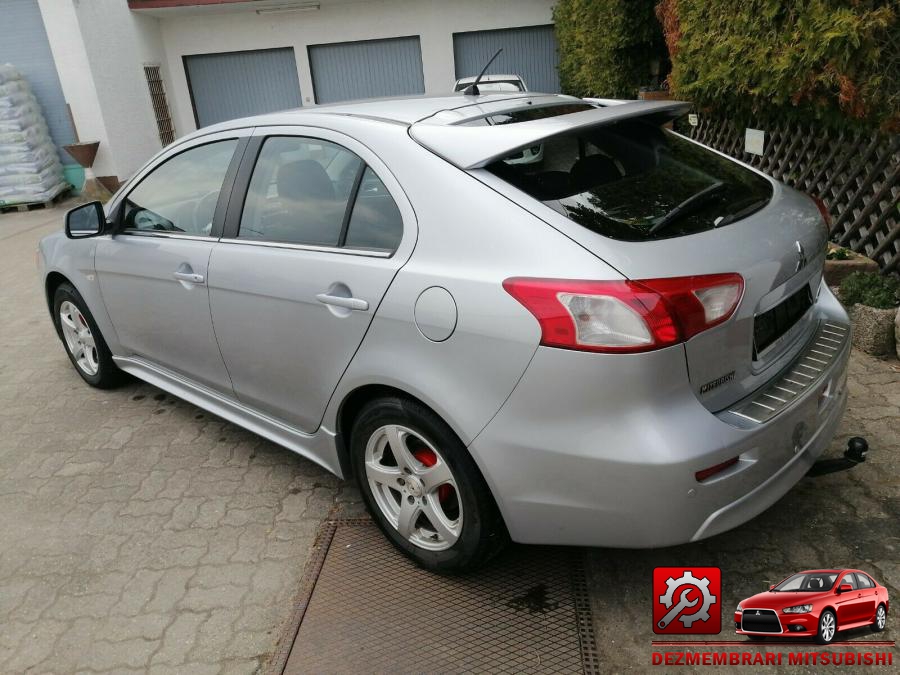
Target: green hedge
x=607, y=47
x=835, y=60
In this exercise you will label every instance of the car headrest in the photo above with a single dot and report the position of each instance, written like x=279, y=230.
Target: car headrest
x=304, y=179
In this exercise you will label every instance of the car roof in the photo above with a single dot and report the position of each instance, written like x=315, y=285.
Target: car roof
x=438, y=123
x=403, y=110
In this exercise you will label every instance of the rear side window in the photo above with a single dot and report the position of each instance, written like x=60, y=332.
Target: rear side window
x=375, y=222
x=299, y=192
x=635, y=181
x=312, y=192
x=864, y=581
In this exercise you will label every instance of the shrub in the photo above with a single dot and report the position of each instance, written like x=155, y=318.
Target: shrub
x=833, y=59
x=839, y=253
x=874, y=290
x=608, y=48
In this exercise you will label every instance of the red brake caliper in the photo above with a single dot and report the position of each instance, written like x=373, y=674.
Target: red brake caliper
x=429, y=459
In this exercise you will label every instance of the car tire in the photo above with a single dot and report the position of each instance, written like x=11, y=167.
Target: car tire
x=880, y=619
x=827, y=628
x=82, y=339
x=429, y=499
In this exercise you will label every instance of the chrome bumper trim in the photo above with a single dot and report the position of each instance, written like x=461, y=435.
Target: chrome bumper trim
x=809, y=369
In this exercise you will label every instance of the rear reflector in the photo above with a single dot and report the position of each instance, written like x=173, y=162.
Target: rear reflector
x=713, y=470
x=626, y=316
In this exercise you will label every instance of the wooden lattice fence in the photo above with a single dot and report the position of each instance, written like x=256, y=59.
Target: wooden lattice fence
x=857, y=176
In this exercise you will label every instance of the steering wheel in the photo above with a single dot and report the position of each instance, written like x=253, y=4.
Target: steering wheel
x=205, y=205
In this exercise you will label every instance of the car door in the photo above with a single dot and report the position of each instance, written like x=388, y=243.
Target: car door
x=848, y=602
x=316, y=230
x=867, y=597
x=153, y=270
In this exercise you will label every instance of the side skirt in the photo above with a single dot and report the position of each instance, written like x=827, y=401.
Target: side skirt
x=318, y=447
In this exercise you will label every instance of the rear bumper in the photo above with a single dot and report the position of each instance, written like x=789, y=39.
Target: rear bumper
x=602, y=450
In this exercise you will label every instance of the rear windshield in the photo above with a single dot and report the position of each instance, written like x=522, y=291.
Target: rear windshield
x=635, y=181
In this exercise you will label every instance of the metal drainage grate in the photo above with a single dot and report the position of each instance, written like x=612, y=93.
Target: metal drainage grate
x=364, y=608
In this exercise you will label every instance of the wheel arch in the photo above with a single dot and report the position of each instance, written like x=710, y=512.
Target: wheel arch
x=354, y=401
x=53, y=281
x=349, y=408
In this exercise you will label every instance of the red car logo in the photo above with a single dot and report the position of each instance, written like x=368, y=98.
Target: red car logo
x=815, y=603
x=687, y=600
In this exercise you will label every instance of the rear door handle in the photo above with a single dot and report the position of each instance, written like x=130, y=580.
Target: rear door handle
x=190, y=277
x=340, y=301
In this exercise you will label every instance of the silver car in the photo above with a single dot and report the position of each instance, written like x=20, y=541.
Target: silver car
x=626, y=344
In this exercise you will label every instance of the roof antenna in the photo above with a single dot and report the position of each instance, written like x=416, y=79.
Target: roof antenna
x=472, y=89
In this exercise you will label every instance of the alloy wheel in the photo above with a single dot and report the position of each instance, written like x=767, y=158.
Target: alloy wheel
x=79, y=339
x=881, y=617
x=827, y=627
x=414, y=487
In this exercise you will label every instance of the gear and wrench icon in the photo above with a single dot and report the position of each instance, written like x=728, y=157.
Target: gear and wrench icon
x=701, y=584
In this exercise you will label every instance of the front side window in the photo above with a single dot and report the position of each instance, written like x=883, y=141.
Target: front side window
x=180, y=195
x=635, y=181
x=850, y=579
x=312, y=192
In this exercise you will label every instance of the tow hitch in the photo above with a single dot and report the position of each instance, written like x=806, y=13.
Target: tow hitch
x=854, y=454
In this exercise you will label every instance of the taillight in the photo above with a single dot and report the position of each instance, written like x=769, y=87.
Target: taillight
x=626, y=316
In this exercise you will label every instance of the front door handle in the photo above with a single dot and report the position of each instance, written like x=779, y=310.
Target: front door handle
x=340, y=301
x=190, y=277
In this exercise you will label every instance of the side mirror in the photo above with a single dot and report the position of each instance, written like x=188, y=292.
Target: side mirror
x=87, y=220
x=845, y=588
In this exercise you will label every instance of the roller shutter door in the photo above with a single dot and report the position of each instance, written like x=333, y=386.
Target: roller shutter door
x=347, y=71
x=529, y=52
x=228, y=85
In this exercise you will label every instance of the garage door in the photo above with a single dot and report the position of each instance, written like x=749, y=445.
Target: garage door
x=237, y=84
x=368, y=69
x=529, y=52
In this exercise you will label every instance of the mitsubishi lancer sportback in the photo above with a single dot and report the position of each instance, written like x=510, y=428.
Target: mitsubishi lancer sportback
x=626, y=342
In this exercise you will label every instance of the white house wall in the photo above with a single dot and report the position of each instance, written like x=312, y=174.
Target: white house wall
x=434, y=21
x=100, y=47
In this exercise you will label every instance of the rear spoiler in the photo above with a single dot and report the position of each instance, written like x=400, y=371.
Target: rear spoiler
x=473, y=147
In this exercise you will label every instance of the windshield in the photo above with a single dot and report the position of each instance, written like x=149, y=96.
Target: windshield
x=811, y=582
x=636, y=181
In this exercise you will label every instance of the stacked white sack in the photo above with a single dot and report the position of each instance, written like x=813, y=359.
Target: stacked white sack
x=30, y=170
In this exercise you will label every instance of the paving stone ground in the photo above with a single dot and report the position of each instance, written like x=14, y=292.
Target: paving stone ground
x=139, y=533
